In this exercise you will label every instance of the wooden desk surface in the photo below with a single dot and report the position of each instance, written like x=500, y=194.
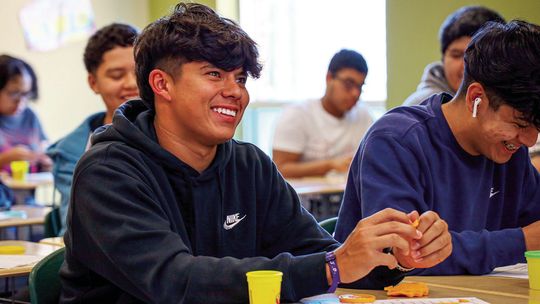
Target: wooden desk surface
x=33, y=180
x=495, y=290
x=35, y=215
x=56, y=241
x=318, y=185
x=31, y=249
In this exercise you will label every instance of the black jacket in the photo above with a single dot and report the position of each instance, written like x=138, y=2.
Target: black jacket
x=145, y=227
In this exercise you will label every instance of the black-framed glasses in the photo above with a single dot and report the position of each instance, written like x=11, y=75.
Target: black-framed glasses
x=350, y=84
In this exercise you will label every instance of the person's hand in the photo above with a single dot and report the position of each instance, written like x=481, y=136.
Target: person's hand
x=20, y=152
x=532, y=236
x=341, y=164
x=363, y=249
x=45, y=162
x=434, y=246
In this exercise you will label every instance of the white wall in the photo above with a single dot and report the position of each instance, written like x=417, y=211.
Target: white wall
x=65, y=98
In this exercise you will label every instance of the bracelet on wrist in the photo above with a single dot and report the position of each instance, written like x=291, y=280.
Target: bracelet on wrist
x=334, y=271
x=398, y=267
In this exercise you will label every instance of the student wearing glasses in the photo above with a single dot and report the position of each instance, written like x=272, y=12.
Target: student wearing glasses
x=21, y=134
x=319, y=136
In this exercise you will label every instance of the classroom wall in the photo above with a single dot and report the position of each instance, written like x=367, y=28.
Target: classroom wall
x=65, y=98
x=412, y=37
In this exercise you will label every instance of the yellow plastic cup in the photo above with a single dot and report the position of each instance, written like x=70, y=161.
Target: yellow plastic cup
x=19, y=169
x=264, y=286
x=533, y=264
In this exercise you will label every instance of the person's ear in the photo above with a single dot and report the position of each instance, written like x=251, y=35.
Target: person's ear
x=161, y=83
x=475, y=98
x=329, y=77
x=92, y=82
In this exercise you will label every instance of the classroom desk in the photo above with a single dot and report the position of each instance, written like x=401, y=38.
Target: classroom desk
x=320, y=195
x=41, y=250
x=56, y=241
x=495, y=290
x=33, y=180
x=35, y=215
x=318, y=185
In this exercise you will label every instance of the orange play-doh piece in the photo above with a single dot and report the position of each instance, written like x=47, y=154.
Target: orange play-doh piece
x=416, y=223
x=409, y=290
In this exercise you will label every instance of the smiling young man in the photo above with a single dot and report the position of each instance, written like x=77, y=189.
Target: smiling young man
x=455, y=33
x=167, y=208
x=318, y=136
x=108, y=58
x=464, y=157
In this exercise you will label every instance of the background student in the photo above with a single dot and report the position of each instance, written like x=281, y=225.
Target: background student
x=108, y=58
x=318, y=136
x=454, y=35
x=21, y=134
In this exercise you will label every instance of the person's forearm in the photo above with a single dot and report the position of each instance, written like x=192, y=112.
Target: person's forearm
x=301, y=169
x=4, y=159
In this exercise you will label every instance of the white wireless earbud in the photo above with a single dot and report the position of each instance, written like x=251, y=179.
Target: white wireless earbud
x=477, y=101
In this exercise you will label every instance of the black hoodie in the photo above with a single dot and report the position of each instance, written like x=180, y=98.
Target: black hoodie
x=145, y=227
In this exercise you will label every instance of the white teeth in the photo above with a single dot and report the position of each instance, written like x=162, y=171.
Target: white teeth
x=225, y=111
x=510, y=146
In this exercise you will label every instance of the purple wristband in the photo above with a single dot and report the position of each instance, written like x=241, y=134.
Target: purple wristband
x=334, y=271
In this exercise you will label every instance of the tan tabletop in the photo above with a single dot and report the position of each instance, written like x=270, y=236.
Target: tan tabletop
x=31, y=249
x=35, y=215
x=496, y=290
x=318, y=185
x=32, y=181
x=56, y=241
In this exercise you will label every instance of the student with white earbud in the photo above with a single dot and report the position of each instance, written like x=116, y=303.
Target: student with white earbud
x=464, y=158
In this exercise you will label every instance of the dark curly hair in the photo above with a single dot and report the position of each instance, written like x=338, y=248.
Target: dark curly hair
x=465, y=22
x=106, y=39
x=11, y=67
x=193, y=32
x=505, y=59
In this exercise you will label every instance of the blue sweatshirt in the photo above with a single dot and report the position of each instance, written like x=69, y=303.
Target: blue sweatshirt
x=65, y=154
x=410, y=160
x=145, y=227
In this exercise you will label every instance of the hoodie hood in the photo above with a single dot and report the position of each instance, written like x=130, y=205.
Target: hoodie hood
x=433, y=78
x=133, y=125
x=433, y=82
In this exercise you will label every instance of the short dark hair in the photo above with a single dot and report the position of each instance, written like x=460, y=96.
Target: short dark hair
x=106, y=39
x=11, y=67
x=505, y=60
x=347, y=59
x=192, y=32
x=465, y=22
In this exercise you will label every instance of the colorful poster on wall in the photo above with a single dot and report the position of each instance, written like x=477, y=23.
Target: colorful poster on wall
x=48, y=24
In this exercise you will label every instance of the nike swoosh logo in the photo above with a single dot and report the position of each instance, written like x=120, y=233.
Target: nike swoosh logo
x=230, y=226
x=491, y=194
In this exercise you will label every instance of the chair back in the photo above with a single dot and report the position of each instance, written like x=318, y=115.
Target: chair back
x=52, y=224
x=44, y=280
x=329, y=224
